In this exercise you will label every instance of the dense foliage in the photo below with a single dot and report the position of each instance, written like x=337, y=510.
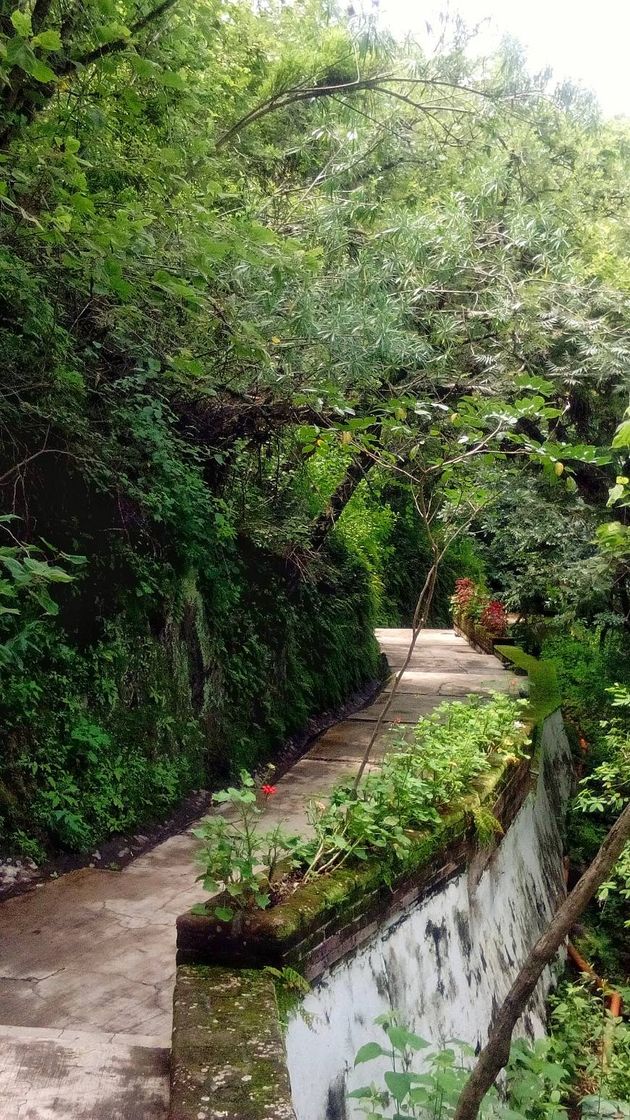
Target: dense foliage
x=426, y=774
x=278, y=327
x=583, y=1063
x=594, y=679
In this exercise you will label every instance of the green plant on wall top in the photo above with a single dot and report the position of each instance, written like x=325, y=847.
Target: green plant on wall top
x=421, y=779
x=236, y=857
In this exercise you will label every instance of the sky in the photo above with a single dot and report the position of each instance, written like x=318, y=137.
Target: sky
x=581, y=40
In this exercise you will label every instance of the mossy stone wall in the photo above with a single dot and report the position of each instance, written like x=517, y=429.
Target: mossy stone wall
x=176, y=693
x=227, y=1057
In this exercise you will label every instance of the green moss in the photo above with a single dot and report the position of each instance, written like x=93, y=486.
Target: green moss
x=544, y=694
x=488, y=783
x=227, y=1028
x=109, y=736
x=326, y=896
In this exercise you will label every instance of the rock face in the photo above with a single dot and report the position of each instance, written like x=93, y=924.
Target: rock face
x=445, y=963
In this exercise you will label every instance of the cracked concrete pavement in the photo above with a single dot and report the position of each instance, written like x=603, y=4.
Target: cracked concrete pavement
x=87, y=961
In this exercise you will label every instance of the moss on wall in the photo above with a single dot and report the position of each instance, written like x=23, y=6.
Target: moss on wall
x=227, y=1056
x=104, y=736
x=544, y=694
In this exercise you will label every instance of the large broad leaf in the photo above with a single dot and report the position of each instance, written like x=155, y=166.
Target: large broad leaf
x=622, y=435
x=20, y=54
x=398, y=1084
x=48, y=40
x=368, y=1052
x=110, y=32
x=400, y=1038
x=22, y=23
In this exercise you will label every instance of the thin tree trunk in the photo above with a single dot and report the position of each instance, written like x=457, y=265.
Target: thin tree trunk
x=420, y=618
x=496, y=1052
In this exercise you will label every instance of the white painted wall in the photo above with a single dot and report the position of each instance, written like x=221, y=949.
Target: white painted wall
x=446, y=963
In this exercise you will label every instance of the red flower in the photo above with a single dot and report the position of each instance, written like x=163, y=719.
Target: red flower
x=494, y=618
x=269, y=790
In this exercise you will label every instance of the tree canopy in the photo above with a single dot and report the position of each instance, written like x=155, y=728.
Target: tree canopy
x=260, y=263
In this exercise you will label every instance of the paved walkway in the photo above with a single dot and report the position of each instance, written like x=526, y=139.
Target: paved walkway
x=87, y=961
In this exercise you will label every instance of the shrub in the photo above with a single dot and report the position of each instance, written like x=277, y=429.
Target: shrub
x=592, y=1045
x=472, y=603
x=534, y=1088
x=493, y=618
x=417, y=782
x=235, y=855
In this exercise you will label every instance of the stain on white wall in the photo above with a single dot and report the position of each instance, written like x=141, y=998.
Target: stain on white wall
x=447, y=962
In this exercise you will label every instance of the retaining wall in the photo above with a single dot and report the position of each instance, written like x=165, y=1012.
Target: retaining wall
x=445, y=962
x=441, y=946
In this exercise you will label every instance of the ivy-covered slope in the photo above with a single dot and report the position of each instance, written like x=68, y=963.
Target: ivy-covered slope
x=105, y=734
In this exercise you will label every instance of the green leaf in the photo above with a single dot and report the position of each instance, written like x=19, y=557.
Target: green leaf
x=173, y=80
x=398, y=1084
x=143, y=67
x=110, y=32
x=622, y=435
x=19, y=53
x=22, y=23
x=368, y=1052
x=48, y=40
x=45, y=601
x=223, y=913
x=400, y=1038
x=47, y=571
x=16, y=569
x=38, y=70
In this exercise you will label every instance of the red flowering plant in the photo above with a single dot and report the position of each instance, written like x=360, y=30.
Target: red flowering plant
x=493, y=618
x=464, y=591
x=236, y=857
x=469, y=599
x=472, y=603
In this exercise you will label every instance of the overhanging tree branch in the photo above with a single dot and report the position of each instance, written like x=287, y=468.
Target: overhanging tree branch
x=117, y=44
x=379, y=83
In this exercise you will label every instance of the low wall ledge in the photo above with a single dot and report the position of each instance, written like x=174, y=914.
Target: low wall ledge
x=228, y=1060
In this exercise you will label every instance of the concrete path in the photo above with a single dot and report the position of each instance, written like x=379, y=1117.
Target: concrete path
x=87, y=961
